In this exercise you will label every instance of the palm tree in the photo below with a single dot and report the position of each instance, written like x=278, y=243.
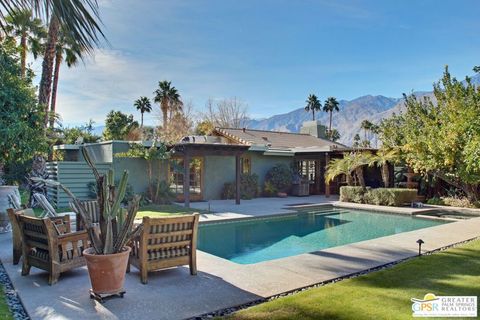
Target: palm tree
x=168, y=98
x=334, y=135
x=143, y=105
x=366, y=126
x=331, y=105
x=350, y=163
x=382, y=159
x=313, y=104
x=80, y=19
x=66, y=46
x=337, y=167
x=21, y=24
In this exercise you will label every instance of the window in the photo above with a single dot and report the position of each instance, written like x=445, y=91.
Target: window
x=245, y=165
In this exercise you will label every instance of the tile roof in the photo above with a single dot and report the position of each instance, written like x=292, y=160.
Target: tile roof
x=276, y=139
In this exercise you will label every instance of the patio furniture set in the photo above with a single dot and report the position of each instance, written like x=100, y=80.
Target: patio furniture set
x=48, y=242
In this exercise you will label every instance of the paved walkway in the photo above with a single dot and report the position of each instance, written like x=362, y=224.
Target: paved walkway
x=174, y=294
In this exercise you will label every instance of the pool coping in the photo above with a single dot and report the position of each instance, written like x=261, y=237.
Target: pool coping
x=274, y=277
x=405, y=211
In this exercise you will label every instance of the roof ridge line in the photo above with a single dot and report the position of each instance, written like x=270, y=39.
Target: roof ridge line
x=272, y=131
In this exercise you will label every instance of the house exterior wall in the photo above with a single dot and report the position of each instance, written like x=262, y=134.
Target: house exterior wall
x=218, y=171
x=221, y=169
x=261, y=164
x=138, y=172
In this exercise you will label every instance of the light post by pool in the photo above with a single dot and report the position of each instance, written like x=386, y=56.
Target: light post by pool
x=420, y=242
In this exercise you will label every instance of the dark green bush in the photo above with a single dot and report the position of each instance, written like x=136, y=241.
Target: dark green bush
x=280, y=177
x=436, y=201
x=352, y=194
x=379, y=196
x=248, y=187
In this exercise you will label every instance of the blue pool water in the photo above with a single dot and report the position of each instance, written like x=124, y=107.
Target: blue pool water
x=261, y=239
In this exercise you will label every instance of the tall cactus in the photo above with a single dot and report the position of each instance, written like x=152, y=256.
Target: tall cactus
x=116, y=223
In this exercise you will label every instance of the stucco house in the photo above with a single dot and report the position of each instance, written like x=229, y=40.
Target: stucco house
x=214, y=160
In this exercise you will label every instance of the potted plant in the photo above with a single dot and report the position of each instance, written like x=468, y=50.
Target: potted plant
x=107, y=258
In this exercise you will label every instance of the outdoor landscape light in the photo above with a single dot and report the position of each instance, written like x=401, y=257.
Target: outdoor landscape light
x=420, y=242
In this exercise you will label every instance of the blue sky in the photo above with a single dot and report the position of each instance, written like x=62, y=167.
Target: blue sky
x=272, y=54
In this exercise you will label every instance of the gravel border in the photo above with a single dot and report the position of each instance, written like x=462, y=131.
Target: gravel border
x=14, y=303
x=228, y=311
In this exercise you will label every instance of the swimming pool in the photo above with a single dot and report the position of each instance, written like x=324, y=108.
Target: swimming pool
x=261, y=239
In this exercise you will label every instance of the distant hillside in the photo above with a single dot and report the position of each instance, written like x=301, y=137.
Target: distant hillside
x=346, y=121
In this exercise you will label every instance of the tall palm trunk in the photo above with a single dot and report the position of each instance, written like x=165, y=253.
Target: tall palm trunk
x=141, y=122
x=165, y=113
x=330, y=126
x=53, y=103
x=23, y=55
x=349, y=179
x=386, y=175
x=47, y=67
x=359, y=174
x=313, y=114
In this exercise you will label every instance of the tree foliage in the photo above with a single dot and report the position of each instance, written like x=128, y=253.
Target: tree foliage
x=21, y=127
x=204, y=128
x=441, y=139
x=118, y=125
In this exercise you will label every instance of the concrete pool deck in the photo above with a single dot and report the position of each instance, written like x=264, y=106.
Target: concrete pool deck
x=174, y=294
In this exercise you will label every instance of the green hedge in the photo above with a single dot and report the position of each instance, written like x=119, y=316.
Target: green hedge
x=379, y=196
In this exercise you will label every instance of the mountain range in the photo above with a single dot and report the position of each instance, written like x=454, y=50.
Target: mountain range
x=348, y=120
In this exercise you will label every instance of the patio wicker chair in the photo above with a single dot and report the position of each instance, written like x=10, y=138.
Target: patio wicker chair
x=91, y=208
x=165, y=243
x=49, y=245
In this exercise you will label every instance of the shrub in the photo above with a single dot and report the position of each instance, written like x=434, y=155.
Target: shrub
x=248, y=187
x=162, y=193
x=228, y=191
x=436, y=201
x=280, y=177
x=378, y=196
x=352, y=194
x=269, y=189
x=462, y=202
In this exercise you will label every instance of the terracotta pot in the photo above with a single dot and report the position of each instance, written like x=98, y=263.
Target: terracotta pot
x=107, y=272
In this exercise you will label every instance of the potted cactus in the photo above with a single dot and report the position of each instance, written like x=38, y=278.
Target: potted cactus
x=107, y=258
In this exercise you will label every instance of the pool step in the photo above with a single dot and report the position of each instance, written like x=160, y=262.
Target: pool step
x=330, y=212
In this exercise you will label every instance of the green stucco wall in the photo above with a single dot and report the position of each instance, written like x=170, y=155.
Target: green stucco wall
x=138, y=171
x=221, y=169
x=218, y=171
x=261, y=164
